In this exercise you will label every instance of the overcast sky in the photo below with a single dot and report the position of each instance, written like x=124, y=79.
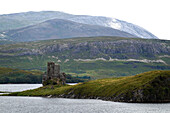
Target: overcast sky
x=153, y=15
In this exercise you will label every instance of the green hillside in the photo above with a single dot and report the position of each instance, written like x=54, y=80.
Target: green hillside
x=98, y=57
x=9, y=75
x=153, y=86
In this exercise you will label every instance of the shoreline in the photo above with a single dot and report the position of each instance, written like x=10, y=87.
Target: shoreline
x=148, y=87
x=91, y=98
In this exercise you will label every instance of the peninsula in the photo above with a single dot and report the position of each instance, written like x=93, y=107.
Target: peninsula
x=148, y=87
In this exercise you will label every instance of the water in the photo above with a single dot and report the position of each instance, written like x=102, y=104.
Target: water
x=18, y=87
x=60, y=105
x=21, y=87
x=71, y=83
x=15, y=104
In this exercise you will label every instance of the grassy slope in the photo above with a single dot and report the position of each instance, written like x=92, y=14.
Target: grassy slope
x=4, y=71
x=37, y=44
x=96, y=69
x=2, y=92
x=139, y=88
x=9, y=75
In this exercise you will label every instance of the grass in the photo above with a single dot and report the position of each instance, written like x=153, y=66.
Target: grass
x=4, y=92
x=111, y=88
x=10, y=57
x=4, y=71
x=44, y=91
x=95, y=69
x=9, y=75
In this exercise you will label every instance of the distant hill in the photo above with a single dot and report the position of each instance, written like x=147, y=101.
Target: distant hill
x=116, y=24
x=59, y=29
x=146, y=87
x=98, y=57
x=9, y=75
x=20, y=20
x=17, y=76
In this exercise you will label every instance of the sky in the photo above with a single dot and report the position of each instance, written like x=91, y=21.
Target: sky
x=153, y=15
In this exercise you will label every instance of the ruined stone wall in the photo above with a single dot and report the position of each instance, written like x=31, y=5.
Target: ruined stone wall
x=53, y=75
x=56, y=70
x=50, y=69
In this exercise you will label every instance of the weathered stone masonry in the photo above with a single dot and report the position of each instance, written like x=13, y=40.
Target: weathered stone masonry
x=53, y=75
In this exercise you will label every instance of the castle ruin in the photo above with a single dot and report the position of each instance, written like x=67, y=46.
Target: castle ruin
x=53, y=75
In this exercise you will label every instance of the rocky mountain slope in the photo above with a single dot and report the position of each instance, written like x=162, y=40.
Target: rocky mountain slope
x=20, y=20
x=92, y=47
x=93, y=56
x=59, y=29
x=116, y=24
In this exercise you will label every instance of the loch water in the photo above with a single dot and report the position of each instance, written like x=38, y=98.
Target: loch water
x=15, y=104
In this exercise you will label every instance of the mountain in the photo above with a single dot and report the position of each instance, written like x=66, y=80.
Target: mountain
x=58, y=29
x=20, y=20
x=116, y=24
x=98, y=57
x=150, y=87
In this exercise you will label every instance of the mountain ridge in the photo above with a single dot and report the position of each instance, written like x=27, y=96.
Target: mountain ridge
x=59, y=28
x=20, y=20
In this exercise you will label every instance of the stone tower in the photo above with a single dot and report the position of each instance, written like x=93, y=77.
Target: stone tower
x=53, y=75
x=53, y=70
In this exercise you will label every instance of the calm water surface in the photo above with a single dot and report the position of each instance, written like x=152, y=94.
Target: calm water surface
x=60, y=105
x=18, y=87
x=13, y=104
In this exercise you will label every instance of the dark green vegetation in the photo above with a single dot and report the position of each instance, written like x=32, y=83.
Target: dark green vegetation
x=3, y=92
x=76, y=79
x=153, y=86
x=90, y=56
x=9, y=75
